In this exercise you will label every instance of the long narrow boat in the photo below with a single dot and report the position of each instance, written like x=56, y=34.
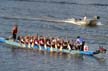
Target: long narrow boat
x=49, y=49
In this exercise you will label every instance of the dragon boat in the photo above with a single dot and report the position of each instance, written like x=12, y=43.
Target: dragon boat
x=45, y=48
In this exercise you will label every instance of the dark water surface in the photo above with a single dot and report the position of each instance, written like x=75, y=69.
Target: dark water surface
x=12, y=59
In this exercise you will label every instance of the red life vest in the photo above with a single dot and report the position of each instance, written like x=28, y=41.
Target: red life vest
x=86, y=48
x=41, y=42
x=36, y=42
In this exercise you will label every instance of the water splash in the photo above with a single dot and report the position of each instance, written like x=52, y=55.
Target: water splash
x=99, y=23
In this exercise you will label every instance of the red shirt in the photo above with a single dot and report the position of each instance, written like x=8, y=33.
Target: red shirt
x=15, y=30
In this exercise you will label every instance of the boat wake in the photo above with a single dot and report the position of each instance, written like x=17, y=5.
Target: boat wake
x=49, y=19
x=99, y=23
x=43, y=18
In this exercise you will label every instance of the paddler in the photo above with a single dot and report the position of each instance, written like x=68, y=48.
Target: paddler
x=14, y=32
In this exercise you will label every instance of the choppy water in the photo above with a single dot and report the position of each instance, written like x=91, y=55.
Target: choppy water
x=33, y=60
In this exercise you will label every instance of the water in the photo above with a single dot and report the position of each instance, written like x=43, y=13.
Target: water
x=32, y=60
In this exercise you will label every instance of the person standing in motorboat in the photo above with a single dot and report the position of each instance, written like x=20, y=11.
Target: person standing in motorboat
x=14, y=32
x=85, y=18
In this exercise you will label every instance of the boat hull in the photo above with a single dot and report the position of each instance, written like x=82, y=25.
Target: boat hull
x=82, y=22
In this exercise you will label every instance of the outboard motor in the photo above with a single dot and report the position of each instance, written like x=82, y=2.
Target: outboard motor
x=98, y=17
